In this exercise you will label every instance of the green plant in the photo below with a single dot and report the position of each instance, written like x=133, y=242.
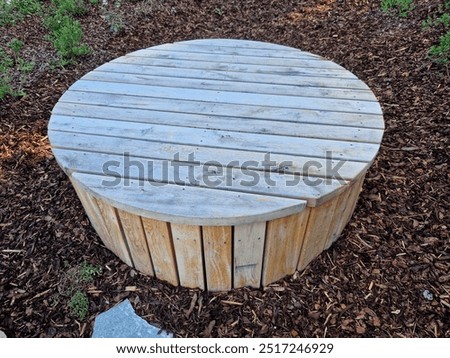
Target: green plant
x=441, y=53
x=70, y=7
x=16, y=45
x=66, y=35
x=402, y=7
x=87, y=272
x=16, y=10
x=10, y=64
x=79, y=305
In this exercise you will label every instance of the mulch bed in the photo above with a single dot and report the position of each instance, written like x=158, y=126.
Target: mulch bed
x=371, y=283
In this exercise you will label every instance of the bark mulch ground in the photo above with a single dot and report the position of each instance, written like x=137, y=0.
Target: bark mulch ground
x=371, y=283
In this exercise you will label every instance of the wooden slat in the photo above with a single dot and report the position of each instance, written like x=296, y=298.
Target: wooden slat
x=217, y=254
x=137, y=242
x=131, y=131
x=335, y=116
x=237, y=208
x=109, y=215
x=300, y=80
x=232, y=86
x=248, y=254
x=160, y=244
x=316, y=233
x=262, y=49
x=314, y=167
x=94, y=214
x=248, y=125
x=210, y=96
x=150, y=131
x=246, y=69
x=188, y=252
x=227, y=178
x=335, y=225
x=352, y=201
x=211, y=57
x=282, y=247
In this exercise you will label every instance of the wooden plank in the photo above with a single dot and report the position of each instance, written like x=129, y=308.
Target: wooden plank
x=211, y=96
x=262, y=49
x=316, y=233
x=94, y=215
x=351, y=202
x=187, y=243
x=248, y=254
x=335, y=116
x=189, y=205
x=231, y=86
x=237, y=58
x=341, y=205
x=137, y=242
x=282, y=247
x=64, y=117
x=160, y=245
x=291, y=164
x=217, y=255
x=109, y=215
x=245, y=69
x=226, y=178
x=131, y=131
x=301, y=80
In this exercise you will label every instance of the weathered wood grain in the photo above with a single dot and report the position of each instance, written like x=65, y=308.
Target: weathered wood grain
x=283, y=242
x=217, y=246
x=137, y=242
x=187, y=242
x=248, y=254
x=95, y=216
x=316, y=233
x=109, y=215
x=159, y=241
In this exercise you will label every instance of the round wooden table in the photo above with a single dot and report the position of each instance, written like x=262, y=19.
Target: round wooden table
x=217, y=163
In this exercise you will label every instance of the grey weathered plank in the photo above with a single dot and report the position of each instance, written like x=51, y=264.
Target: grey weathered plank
x=211, y=96
x=244, y=69
x=188, y=204
x=234, y=179
x=257, y=49
x=300, y=80
x=132, y=131
x=122, y=103
x=227, y=157
x=300, y=62
x=71, y=112
x=232, y=86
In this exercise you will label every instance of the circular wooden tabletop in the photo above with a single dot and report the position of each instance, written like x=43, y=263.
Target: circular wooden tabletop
x=216, y=132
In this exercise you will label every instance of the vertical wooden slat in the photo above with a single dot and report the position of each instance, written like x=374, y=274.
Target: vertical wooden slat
x=341, y=205
x=95, y=216
x=137, y=243
x=248, y=254
x=316, y=234
x=283, y=242
x=352, y=200
x=112, y=223
x=217, y=253
x=160, y=244
x=188, y=252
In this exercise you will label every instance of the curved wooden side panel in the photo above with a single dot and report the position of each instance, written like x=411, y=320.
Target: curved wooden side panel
x=219, y=258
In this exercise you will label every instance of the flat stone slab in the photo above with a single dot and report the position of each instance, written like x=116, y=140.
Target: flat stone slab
x=121, y=321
